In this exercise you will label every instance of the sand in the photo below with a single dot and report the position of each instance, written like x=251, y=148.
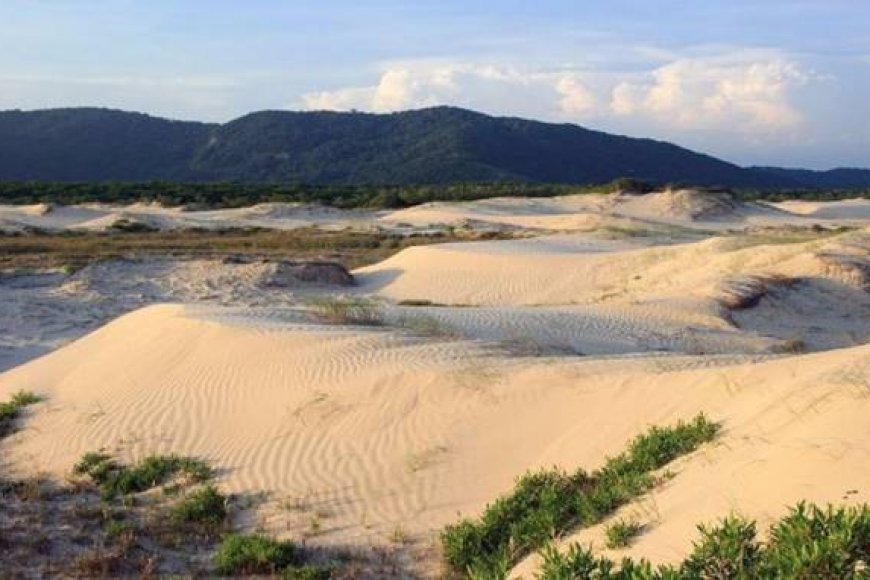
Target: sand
x=553, y=350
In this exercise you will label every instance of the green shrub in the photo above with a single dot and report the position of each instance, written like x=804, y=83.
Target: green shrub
x=811, y=542
x=620, y=533
x=808, y=543
x=114, y=478
x=255, y=554
x=546, y=504
x=11, y=410
x=204, y=506
x=730, y=550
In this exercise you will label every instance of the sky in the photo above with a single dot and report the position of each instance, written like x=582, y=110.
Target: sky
x=755, y=82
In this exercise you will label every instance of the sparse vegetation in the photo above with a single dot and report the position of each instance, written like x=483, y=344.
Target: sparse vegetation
x=10, y=411
x=418, y=302
x=115, y=479
x=809, y=542
x=347, y=310
x=243, y=555
x=74, y=250
x=548, y=503
x=620, y=533
x=204, y=506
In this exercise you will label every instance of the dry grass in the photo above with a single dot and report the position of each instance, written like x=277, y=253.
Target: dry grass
x=71, y=251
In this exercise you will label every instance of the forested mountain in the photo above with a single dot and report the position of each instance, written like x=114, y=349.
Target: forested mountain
x=429, y=146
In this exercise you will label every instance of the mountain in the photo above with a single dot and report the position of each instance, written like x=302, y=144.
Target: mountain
x=95, y=145
x=429, y=146
x=841, y=177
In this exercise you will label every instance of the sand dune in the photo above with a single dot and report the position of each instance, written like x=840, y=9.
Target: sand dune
x=381, y=430
x=684, y=208
x=845, y=210
x=101, y=217
x=534, y=352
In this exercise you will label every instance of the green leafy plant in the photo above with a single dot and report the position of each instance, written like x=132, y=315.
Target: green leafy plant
x=620, y=533
x=544, y=505
x=809, y=542
x=117, y=479
x=253, y=554
x=203, y=506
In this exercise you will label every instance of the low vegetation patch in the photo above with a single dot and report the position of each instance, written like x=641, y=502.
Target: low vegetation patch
x=546, y=504
x=204, y=506
x=809, y=542
x=621, y=533
x=115, y=479
x=254, y=554
x=10, y=411
x=73, y=250
x=347, y=310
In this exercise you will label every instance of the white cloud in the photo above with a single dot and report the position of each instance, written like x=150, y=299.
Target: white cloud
x=742, y=92
x=484, y=87
x=753, y=97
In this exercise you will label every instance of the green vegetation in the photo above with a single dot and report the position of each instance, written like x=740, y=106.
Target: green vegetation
x=255, y=554
x=621, y=533
x=347, y=310
x=115, y=479
x=203, y=506
x=810, y=542
x=437, y=145
x=546, y=504
x=11, y=410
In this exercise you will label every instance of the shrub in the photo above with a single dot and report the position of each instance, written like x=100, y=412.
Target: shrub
x=546, y=504
x=621, y=533
x=729, y=550
x=255, y=554
x=335, y=310
x=204, y=506
x=114, y=478
x=808, y=543
x=11, y=410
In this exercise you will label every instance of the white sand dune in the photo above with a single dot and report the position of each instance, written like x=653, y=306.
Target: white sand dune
x=848, y=210
x=684, y=208
x=687, y=209
x=378, y=430
x=434, y=413
x=101, y=217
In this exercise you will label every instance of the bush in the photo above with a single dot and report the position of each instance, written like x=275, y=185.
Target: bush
x=546, y=504
x=114, y=478
x=204, y=506
x=808, y=543
x=255, y=554
x=621, y=533
x=11, y=410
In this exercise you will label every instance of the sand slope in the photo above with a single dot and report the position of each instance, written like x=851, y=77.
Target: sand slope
x=382, y=430
x=434, y=413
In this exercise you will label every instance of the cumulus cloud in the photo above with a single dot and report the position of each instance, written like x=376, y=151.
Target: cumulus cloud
x=747, y=96
x=749, y=93
x=485, y=87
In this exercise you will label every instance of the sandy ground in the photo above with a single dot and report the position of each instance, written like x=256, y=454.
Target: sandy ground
x=530, y=353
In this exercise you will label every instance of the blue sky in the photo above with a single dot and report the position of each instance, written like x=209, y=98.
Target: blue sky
x=755, y=82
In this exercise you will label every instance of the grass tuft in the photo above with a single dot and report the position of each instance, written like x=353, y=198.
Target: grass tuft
x=116, y=479
x=204, y=506
x=10, y=411
x=621, y=533
x=338, y=310
x=255, y=554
